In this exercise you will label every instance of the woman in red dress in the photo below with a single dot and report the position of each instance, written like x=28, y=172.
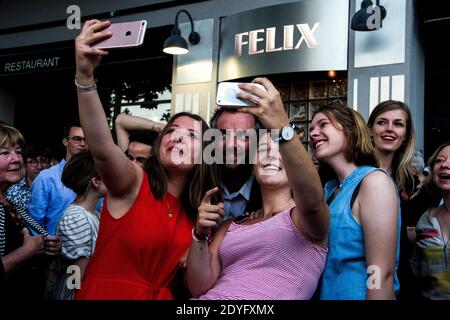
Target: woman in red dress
x=145, y=226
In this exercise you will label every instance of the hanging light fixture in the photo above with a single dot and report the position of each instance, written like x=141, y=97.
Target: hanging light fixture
x=176, y=44
x=363, y=19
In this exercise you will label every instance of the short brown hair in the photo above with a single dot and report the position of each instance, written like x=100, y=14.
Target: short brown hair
x=10, y=135
x=78, y=172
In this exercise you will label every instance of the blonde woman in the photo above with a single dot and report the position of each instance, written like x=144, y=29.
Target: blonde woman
x=20, y=272
x=393, y=139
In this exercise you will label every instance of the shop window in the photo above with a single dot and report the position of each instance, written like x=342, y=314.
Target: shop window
x=158, y=110
x=301, y=99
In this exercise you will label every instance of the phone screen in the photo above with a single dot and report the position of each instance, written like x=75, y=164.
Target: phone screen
x=226, y=95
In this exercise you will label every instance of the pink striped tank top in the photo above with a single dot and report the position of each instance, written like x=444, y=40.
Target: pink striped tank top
x=269, y=260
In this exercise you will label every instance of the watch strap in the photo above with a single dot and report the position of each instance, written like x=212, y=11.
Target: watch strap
x=280, y=138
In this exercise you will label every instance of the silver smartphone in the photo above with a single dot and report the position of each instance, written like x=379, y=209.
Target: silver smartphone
x=124, y=35
x=226, y=95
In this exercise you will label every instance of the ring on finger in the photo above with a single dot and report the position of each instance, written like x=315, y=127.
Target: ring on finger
x=256, y=100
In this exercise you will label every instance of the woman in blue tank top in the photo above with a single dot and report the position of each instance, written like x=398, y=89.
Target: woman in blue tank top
x=364, y=207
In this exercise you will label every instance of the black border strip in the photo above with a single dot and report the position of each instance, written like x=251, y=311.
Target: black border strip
x=104, y=15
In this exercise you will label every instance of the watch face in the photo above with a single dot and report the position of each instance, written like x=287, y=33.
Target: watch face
x=287, y=133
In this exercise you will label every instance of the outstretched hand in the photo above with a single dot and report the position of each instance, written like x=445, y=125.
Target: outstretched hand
x=86, y=57
x=209, y=215
x=267, y=105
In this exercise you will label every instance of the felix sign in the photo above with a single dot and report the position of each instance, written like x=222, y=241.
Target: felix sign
x=268, y=37
x=309, y=35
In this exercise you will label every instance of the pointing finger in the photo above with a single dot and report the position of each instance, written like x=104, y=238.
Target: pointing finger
x=209, y=194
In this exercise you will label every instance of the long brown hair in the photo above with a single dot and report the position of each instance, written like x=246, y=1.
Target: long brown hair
x=359, y=149
x=202, y=178
x=401, y=163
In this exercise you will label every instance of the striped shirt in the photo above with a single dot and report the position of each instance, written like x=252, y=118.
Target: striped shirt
x=430, y=262
x=78, y=230
x=269, y=260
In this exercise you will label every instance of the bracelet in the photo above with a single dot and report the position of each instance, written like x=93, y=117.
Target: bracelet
x=196, y=237
x=82, y=88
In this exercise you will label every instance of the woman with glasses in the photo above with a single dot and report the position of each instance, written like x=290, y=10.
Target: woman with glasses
x=146, y=222
x=36, y=159
x=19, y=276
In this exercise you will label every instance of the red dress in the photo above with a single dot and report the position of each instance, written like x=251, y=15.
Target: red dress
x=137, y=256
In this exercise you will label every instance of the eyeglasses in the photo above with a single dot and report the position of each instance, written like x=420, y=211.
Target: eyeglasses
x=77, y=139
x=35, y=162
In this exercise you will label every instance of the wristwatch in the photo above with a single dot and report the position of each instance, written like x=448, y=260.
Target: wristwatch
x=287, y=132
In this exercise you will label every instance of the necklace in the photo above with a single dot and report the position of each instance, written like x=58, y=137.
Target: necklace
x=277, y=211
x=169, y=210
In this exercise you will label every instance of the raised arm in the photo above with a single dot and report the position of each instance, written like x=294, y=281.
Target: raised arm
x=378, y=206
x=311, y=213
x=120, y=175
x=126, y=123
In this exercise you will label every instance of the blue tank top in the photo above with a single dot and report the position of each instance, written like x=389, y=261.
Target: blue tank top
x=345, y=275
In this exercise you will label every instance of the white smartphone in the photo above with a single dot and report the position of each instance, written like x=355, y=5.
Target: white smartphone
x=124, y=35
x=226, y=95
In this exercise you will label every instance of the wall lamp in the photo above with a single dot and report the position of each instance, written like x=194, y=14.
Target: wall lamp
x=368, y=19
x=176, y=44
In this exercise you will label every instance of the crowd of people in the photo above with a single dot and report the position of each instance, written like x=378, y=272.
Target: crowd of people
x=146, y=218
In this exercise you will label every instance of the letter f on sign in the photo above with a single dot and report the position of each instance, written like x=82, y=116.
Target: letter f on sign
x=238, y=43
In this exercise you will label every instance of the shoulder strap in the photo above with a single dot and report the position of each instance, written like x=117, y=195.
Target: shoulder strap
x=355, y=194
x=31, y=224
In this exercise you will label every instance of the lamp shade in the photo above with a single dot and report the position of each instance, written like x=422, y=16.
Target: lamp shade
x=176, y=44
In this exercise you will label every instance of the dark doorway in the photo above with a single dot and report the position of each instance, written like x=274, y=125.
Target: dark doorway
x=46, y=101
x=436, y=22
